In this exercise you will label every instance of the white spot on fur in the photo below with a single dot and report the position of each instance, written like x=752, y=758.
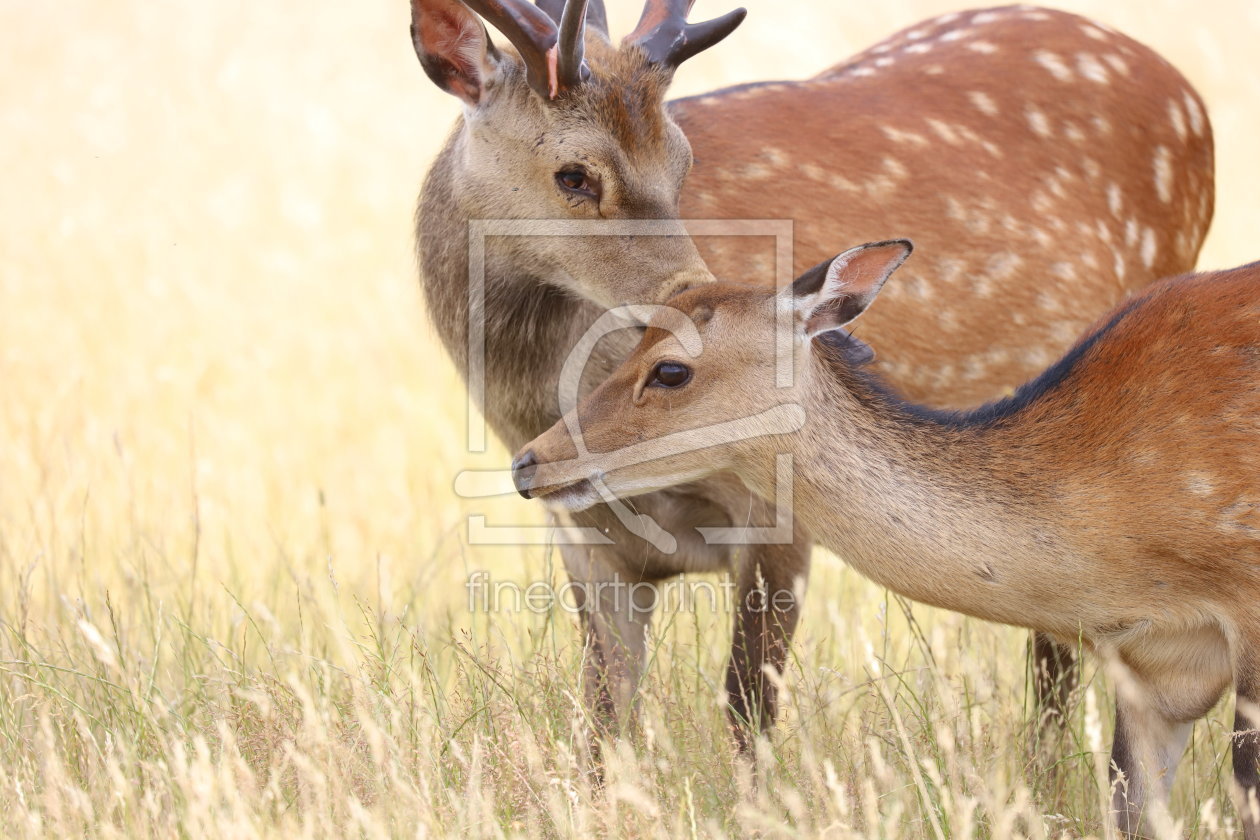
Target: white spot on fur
x=1117, y=63
x=1115, y=199
x=898, y=136
x=934, y=70
x=896, y=169
x=950, y=271
x=1163, y=173
x=919, y=49
x=1055, y=187
x=1119, y=266
x=1197, y=119
x=881, y=186
x=1038, y=120
x=835, y=181
x=1003, y=266
x=777, y=156
x=984, y=102
x=755, y=172
x=1037, y=16
x=985, y=17
x=1149, y=247
x=975, y=221
x=1093, y=32
x=916, y=34
x=982, y=47
x=840, y=182
x=1063, y=270
x=1050, y=303
x=1091, y=68
x=1177, y=120
x=1101, y=125
x=1073, y=132
x=956, y=35
x=944, y=131
x=1130, y=233
x=1053, y=63
x=884, y=61
x=814, y=172
x=862, y=71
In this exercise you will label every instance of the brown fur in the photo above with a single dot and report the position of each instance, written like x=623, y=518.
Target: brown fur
x=1115, y=499
x=995, y=189
x=795, y=150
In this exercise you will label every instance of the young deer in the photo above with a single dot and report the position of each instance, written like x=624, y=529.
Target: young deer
x=987, y=135
x=1115, y=498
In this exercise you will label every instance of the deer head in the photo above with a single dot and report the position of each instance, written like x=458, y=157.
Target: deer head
x=566, y=126
x=699, y=395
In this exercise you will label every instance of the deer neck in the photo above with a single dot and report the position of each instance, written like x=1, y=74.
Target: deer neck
x=932, y=511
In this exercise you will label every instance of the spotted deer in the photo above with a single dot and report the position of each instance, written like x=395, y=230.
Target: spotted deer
x=1114, y=498
x=992, y=136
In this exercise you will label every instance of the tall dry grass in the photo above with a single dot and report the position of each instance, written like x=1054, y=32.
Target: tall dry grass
x=231, y=557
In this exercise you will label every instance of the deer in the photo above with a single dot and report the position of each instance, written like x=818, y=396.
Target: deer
x=988, y=135
x=1114, y=498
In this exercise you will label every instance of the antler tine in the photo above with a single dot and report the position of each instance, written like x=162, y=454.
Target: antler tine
x=664, y=34
x=656, y=12
x=596, y=16
x=532, y=33
x=570, y=66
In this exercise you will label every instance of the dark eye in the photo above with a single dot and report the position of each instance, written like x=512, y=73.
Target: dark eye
x=669, y=375
x=576, y=181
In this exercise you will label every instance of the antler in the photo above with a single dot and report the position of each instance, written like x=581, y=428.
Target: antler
x=553, y=58
x=570, y=64
x=596, y=17
x=664, y=34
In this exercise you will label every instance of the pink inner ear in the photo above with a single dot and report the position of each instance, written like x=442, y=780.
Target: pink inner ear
x=863, y=272
x=452, y=50
x=553, y=76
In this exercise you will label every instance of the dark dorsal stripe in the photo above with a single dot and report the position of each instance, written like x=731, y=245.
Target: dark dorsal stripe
x=870, y=389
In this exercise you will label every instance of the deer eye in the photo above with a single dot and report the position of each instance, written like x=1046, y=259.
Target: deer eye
x=576, y=181
x=669, y=375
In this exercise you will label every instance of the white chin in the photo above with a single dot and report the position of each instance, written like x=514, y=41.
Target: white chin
x=573, y=498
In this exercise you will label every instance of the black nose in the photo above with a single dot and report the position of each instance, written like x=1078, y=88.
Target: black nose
x=523, y=469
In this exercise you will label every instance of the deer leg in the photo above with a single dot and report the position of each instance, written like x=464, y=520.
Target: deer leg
x=1144, y=758
x=769, y=585
x=1054, y=678
x=616, y=612
x=1246, y=744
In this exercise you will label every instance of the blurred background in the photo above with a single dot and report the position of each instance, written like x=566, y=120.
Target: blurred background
x=208, y=290
x=218, y=385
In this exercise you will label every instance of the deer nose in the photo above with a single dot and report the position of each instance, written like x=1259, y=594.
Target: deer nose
x=523, y=469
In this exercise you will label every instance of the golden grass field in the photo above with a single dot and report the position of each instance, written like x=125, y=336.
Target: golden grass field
x=231, y=558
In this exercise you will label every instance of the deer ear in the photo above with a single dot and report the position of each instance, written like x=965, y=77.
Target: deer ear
x=834, y=292
x=454, y=48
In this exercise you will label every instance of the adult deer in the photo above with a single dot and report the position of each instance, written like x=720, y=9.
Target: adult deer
x=1115, y=498
x=993, y=137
